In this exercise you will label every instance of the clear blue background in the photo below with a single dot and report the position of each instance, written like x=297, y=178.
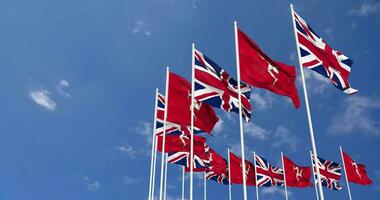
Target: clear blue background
x=94, y=143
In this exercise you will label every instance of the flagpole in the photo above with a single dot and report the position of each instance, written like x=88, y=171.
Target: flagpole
x=315, y=183
x=229, y=175
x=164, y=133
x=345, y=173
x=154, y=167
x=314, y=148
x=257, y=186
x=283, y=167
x=166, y=175
x=183, y=182
x=204, y=187
x=240, y=112
x=192, y=122
x=152, y=161
x=153, y=144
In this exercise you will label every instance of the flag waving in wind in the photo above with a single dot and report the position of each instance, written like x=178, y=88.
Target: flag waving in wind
x=218, y=168
x=214, y=86
x=268, y=175
x=317, y=55
x=259, y=70
x=356, y=173
x=330, y=173
x=296, y=176
x=237, y=172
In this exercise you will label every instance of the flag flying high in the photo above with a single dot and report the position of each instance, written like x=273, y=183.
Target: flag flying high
x=329, y=172
x=317, y=55
x=259, y=70
x=356, y=173
x=266, y=174
x=171, y=128
x=296, y=176
x=214, y=86
x=236, y=171
x=218, y=168
x=181, y=142
x=179, y=106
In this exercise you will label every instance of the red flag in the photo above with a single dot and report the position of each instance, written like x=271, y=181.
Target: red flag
x=179, y=106
x=296, y=176
x=176, y=143
x=236, y=171
x=259, y=70
x=356, y=173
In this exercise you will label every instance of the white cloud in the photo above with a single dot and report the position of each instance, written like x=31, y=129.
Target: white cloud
x=315, y=82
x=141, y=27
x=261, y=100
x=283, y=137
x=127, y=149
x=218, y=127
x=328, y=33
x=61, y=86
x=255, y=131
x=91, y=186
x=274, y=191
x=130, y=181
x=41, y=97
x=367, y=8
x=355, y=114
x=145, y=129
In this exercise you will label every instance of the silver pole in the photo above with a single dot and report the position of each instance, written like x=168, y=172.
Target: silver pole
x=345, y=173
x=257, y=186
x=192, y=122
x=229, y=176
x=315, y=182
x=154, y=151
x=283, y=167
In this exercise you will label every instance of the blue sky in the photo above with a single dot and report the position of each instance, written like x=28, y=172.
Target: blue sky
x=78, y=80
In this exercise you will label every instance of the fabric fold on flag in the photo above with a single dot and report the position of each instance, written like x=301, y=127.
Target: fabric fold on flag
x=214, y=86
x=296, y=176
x=330, y=173
x=175, y=143
x=218, y=168
x=268, y=175
x=179, y=109
x=318, y=56
x=259, y=70
x=356, y=173
x=237, y=171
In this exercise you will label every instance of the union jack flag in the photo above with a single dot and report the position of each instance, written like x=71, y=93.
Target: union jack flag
x=183, y=158
x=217, y=167
x=317, y=55
x=221, y=178
x=171, y=128
x=214, y=86
x=266, y=174
x=329, y=172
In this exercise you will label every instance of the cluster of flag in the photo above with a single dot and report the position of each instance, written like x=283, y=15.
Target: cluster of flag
x=187, y=110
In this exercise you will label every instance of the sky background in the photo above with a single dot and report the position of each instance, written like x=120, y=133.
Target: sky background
x=78, y=77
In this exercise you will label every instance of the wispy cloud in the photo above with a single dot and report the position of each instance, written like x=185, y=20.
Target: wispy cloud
x=262, y=100
x=218, y=127
x=145, y=129
x=366, y=8
x=127, y=149
x=141, y=27
x=274, y=191
x=283, y=137
x=63, y=84
x=255, y=131
x=130, y=181
x=41, y=97
x=316, y=82
x=91, y=186
x=355, y=114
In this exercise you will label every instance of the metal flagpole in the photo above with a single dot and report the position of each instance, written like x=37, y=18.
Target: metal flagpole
x=345, y=173
x=152, y=161
x=315, y=182
x=192, y=122
x=240, y=112
x=257, y=186
x=204, y=187
x=154, y=167
x=183, y=182
x=229, y=175
x=164, y=133
x=314, y=148
x=166, y=175
x=283, y=167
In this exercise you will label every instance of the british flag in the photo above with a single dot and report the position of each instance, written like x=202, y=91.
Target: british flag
x=266, y=174
x=221, y=178
x=183, y=158
x=171, y=128
x=214, y=86
x=330, y=173
x=217, y=167
x=317, y=55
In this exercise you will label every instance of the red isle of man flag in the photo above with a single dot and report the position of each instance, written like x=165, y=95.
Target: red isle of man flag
x=296, y=176
x=356, y=173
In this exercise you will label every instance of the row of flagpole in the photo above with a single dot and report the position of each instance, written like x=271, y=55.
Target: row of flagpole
x=163, y=177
